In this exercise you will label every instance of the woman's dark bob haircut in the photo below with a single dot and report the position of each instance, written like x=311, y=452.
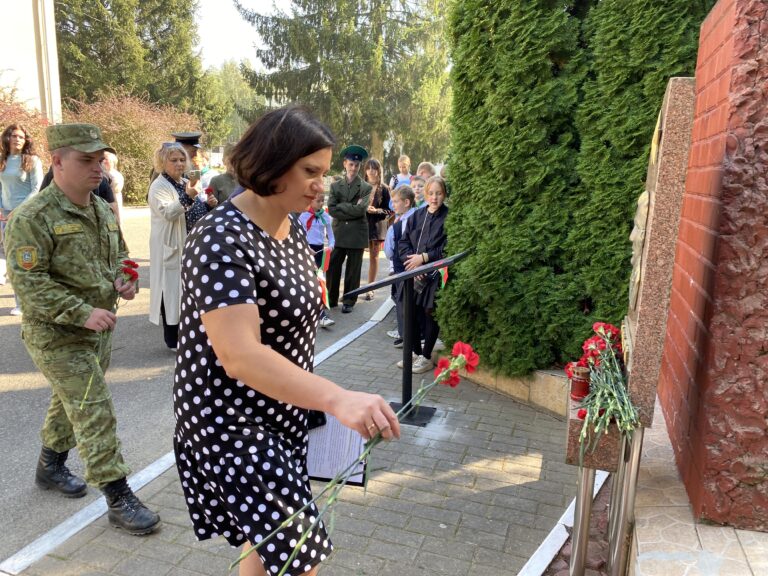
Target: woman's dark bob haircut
x=274, y=143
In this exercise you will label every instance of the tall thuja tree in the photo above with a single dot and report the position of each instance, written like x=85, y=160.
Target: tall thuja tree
x=636, y=46
x=516, y=75
x=349, y=61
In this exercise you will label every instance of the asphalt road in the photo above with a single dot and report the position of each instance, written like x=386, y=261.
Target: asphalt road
x=140, y=377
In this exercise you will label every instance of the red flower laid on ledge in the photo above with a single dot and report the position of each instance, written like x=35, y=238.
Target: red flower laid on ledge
x=606, y=400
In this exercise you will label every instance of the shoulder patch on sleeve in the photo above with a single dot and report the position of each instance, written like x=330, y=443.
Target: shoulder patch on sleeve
x=113, y=227
x=61, y=229
x=26, y=257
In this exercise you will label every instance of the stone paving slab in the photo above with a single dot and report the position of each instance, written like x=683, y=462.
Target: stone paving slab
x=474, y=492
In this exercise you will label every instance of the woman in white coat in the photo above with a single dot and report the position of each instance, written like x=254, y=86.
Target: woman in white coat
x=171, y=201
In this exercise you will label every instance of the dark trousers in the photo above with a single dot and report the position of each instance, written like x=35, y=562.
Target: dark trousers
x=424, y=326
x=354, y=257
x=317, y=250
x=398, y=288
x=170, y=331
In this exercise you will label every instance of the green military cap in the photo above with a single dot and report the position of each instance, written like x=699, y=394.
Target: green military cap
x=189, y=138
x=81, y=137
x=355, y=153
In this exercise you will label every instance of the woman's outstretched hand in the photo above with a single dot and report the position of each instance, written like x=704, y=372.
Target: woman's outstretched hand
x=367, y=414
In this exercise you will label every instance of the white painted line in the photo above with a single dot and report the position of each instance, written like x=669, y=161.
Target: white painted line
x=546, y=552
x=72, y=525
x=377, y=317
x=383, y=310
x=141, y=479
x=345, y=341
x=551, y=545
x=64, y=531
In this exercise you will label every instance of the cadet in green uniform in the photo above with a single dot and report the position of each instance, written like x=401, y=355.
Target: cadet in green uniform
x=65, y=253
x=348, y=205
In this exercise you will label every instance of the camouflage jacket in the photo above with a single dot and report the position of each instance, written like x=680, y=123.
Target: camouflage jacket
x=63, y=259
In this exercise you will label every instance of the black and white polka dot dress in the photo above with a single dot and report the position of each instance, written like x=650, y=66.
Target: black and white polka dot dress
x=241, y=455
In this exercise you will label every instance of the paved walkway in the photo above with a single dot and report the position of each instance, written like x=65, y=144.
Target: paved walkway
x=474, y=492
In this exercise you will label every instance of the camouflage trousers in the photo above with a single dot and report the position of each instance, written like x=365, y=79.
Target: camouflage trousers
x=73, y=361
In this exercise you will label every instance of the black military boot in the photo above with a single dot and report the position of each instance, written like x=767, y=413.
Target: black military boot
x=126, y=511
x=52, y=474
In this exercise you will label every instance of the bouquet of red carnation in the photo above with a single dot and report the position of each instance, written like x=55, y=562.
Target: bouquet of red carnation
x=606, y=336
x=607, y=400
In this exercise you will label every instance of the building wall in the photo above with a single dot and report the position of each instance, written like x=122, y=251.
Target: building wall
x=715, y=361
x=30, y=63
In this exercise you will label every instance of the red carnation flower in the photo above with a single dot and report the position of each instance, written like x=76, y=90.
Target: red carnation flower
x=608, y=330
x=130, y=263
x=442, y=364
x=470, y=356
x=569, y=369
x=130, y=273
x=581, y=414
x=453, y=379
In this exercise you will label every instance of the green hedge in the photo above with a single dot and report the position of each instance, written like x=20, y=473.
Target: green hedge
x=513, y=180
x=551, y=121
x=637, y=46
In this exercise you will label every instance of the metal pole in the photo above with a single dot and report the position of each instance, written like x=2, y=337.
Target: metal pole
x=619, y=550
x=409, y=313
x=614, y=507
x=582, y=514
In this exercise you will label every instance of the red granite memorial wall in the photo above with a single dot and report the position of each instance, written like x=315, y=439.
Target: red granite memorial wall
x=712, y=386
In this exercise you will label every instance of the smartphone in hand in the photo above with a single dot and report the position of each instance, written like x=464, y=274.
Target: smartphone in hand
x=193, y=175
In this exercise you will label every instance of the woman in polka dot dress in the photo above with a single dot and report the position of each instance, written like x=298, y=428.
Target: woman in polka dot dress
x=243, y=381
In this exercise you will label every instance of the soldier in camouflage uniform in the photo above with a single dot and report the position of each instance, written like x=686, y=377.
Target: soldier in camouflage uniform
x=65, y=253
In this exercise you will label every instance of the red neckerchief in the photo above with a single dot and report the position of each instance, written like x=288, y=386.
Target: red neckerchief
x=318, y=215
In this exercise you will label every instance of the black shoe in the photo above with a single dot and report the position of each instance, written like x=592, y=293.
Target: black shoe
x=52, y=474
x=398, y=343
x=346, y=308
x=126, y=511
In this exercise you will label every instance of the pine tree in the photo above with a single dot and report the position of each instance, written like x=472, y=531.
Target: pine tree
x=350, y=61
x=98, y=46
x=143, y=46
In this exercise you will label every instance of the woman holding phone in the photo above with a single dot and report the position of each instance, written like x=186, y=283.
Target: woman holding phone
x=174, y=210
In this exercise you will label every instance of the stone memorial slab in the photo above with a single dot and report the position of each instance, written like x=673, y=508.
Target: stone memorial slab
x=653, y=239
x=654, y=244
